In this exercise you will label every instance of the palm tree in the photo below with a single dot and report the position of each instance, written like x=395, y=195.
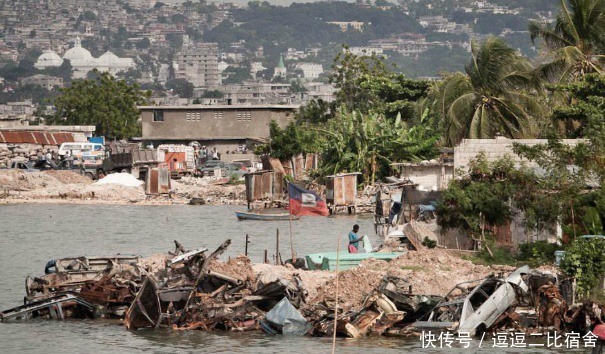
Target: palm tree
x=494, y=97
x=575, y=42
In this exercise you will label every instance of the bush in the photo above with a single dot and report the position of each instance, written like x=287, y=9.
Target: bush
x=538, y=253
x=585, y=261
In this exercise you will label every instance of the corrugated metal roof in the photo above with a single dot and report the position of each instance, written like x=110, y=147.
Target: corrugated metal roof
x=35, y=137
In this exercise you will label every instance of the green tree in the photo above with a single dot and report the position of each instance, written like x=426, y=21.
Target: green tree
x=365, y=83
x=180, y=87
x=576, y=40
x=107, y=103
x=213, y=94
x=585, y=261
x=143, y=43
x=493, y=97
x=369, y=143
x=237, y=75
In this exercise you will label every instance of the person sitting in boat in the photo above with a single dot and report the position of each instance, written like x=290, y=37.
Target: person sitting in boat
x=354, y=239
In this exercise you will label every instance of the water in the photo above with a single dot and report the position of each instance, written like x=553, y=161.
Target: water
x=30, y=235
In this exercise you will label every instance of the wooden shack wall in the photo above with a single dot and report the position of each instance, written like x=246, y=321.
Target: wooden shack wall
x=350, y=189
x=264, y=185
x=341, y=190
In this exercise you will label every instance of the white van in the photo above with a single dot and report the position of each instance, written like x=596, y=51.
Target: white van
x=80, y=150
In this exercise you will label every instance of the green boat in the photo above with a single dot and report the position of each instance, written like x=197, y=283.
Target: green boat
x=327, y=260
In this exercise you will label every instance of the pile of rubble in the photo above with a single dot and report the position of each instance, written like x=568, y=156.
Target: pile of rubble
x=56, y=184
x=211, y=190
x=24, y=152
x=192, y=289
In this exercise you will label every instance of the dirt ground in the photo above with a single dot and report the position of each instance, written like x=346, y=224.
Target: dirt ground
x=71, y=187
x=430, y=272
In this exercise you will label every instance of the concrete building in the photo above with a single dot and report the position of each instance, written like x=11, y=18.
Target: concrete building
x=82, y=61
x=200, y=65
x=46, y=81
x=280, y=69
x=48, y=59
x=347, y=25
x=255, y=93
x=223, y=127
x=310, y=70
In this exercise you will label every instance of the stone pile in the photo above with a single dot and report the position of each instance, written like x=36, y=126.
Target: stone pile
x=23, y=152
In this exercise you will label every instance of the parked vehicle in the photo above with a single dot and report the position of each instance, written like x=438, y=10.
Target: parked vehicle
x=81, y=150
x=130, y=159
x=90, y=171
x=236, y=169
x=210, y=166
x=249, y=165
x=179, y=159
x=24, y=166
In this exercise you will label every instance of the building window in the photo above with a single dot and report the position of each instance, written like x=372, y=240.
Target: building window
x=217, y=114
x=244, y=116
x=158, y=116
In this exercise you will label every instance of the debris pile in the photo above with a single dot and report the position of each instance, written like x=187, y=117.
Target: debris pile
x=192, y=289
x=212, y=191
x=24, y=152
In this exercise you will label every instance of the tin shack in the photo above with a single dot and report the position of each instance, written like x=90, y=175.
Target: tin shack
x=341, y=192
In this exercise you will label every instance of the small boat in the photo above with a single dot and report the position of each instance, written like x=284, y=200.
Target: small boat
x=346, y=260
x=268, y=216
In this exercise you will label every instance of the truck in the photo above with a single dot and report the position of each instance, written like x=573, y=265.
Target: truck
x=130, y=158
x=180, y=159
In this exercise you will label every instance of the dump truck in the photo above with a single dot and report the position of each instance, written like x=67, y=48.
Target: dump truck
x=131, y=159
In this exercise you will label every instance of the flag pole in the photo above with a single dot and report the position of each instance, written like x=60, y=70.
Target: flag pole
x=291, y=239
x=336, y=296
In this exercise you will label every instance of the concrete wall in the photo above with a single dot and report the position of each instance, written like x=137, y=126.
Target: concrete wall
x=219, y=122
x=429, y=177
x=495, y=149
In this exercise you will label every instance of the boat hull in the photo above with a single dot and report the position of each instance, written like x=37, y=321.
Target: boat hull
x=244, y=215
x=327, y=260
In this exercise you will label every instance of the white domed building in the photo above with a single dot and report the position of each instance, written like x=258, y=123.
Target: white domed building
x=82, y=61
x=113, y=64
x=48, y=59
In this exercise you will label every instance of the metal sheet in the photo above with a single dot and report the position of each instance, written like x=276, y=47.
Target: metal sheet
x=35, y=137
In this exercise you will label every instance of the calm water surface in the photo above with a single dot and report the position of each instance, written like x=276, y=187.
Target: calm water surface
x=30, y=235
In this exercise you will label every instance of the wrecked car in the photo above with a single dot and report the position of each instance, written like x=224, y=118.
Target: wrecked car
x=58, y=307
x=473, y=307
x=70, y=274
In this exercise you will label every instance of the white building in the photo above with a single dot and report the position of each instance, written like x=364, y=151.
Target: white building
x=310, y=70
x=82, y=61
x=48, y=59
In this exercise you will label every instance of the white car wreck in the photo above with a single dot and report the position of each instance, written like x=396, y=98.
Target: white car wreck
x=472, y=307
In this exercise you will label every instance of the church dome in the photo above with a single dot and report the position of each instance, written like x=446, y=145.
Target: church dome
x=108, y=58
x=77, y=53
x=47, y=59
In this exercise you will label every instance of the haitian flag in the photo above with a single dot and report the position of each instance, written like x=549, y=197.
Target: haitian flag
x=305, y=202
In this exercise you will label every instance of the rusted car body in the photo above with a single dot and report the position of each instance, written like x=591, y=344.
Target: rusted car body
x=473, y=306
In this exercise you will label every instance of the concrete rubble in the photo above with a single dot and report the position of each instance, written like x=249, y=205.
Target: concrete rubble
x=191, y=289
x=70, y=187
x=22, y=152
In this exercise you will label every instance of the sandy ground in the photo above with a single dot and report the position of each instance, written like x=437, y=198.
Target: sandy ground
x=66, y=187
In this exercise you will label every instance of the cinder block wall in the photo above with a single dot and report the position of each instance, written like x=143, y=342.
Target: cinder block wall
x=495, y=149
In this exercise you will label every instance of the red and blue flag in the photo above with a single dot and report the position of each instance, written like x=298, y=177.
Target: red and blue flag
x=306, y=202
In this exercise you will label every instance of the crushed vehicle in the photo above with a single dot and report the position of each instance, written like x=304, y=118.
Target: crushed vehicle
x=57, y=307
x=473, y=306
x=70, y=274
